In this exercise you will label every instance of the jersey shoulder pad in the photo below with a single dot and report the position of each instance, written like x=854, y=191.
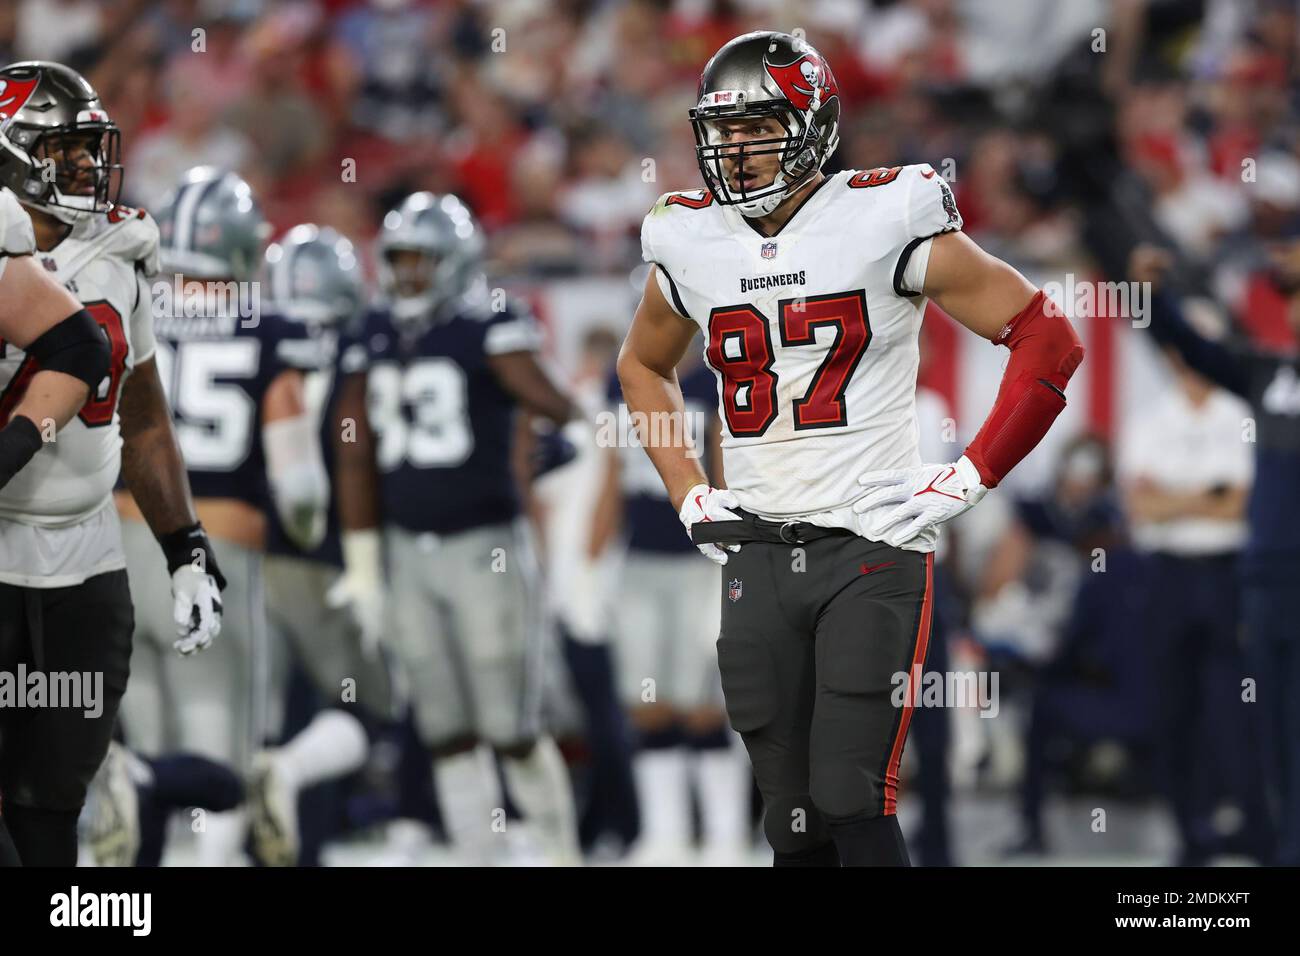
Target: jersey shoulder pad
x=672, y=214
x=292, y=342
x=916, y=197
x=16, y=235
x=512, y=328
x=132, y=235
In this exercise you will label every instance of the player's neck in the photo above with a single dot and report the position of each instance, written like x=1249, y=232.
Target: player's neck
x=779, y=216
x=49, y=231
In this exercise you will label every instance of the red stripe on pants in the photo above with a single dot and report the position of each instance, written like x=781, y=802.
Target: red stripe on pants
x=913, y=671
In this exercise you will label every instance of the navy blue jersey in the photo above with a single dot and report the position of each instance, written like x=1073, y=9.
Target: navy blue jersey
x=216, y=371
x=321, y=391
x=650, y=522
x=443, y=424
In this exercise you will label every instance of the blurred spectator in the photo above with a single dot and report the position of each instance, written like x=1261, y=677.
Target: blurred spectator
x=193, y=137
x=1270, y=561
x=52, y=29
x=1186, y=473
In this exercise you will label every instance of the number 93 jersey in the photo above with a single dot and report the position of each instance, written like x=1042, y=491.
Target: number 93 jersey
x=812, y=332
x=101, y=261
x=443, y=425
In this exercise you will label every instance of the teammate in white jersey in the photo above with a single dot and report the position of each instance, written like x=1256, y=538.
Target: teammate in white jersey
x=810, y=291
x=42, y=318
x=64, y=600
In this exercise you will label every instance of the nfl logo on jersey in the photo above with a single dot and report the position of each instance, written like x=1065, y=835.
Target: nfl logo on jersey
x=734, y=590
x=768, y=250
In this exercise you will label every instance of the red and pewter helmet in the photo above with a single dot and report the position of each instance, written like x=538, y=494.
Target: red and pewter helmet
x=757, y=75
x=53, y=114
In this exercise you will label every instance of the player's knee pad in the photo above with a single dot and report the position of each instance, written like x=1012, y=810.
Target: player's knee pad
x=793, y=825
x=841, y=790
x=43, y=837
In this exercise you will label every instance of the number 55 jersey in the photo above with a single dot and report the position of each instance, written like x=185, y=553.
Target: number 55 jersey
x=812, y=332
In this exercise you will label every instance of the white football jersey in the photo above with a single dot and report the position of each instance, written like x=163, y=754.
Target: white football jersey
x=16, y=236
x=57, y=521
x=812, y=332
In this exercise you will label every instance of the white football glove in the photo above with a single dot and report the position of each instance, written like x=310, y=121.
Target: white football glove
x=196, y=609
x=710, y=504
x=360, y=587
x=907, y=501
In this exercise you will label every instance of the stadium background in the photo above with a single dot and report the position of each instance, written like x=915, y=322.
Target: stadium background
x=1068, y=130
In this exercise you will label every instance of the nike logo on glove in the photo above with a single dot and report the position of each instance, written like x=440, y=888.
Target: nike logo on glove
x=940, y=479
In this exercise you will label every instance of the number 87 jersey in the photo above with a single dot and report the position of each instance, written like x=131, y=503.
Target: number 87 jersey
x=812, y=332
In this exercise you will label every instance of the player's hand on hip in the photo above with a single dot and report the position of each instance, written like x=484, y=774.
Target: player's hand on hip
x=901, y=503
x=710, y=504
x=196, y=609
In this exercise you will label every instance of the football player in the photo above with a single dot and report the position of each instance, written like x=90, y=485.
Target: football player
x=235, y=375
x=66, y=602
x=667, y=624
x=424, y=439
x=313, y=276
x=810, y=291
x=42, y=318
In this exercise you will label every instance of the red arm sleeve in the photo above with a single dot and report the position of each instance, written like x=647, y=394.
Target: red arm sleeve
x=1045, y=351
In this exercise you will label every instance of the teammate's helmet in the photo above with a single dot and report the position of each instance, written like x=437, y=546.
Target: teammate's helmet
x=211, y=227
x=765, y=75
x=56, y=116
x=313, y=276
x=443, y=231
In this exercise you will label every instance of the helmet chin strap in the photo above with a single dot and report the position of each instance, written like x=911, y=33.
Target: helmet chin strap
x=758, y=208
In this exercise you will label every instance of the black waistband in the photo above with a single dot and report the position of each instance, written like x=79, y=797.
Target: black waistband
x=753, y=528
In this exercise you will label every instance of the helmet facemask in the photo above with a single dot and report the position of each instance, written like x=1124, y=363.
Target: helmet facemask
x=722, y=163
x=416, y=288
x=84, y=159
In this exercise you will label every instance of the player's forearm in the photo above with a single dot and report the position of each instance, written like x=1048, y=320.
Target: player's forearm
x=523, y=377
x=653, y=398
x=152, y=466
x=356, y=480
x=1045, y=351
x=52, y=398
x=154, y=473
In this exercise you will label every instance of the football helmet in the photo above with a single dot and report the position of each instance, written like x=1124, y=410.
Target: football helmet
x=211, y=227
x=52, y=113
x=443, y=231
x=765, y=75
x=313, y=276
